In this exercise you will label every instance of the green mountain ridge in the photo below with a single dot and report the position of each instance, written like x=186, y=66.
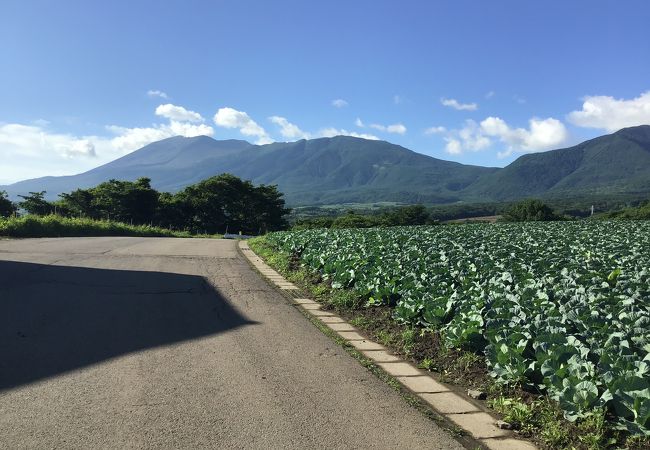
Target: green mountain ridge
x=613, y=164
x=346, y=169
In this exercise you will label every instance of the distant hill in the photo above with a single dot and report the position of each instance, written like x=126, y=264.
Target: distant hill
x=618, y=163
x=345, y=169
x=171, y=163
x=327, y=170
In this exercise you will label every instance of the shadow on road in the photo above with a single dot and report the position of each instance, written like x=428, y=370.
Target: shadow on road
x=54, y=319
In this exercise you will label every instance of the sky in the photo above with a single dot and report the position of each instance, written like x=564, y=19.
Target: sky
x=479, y=82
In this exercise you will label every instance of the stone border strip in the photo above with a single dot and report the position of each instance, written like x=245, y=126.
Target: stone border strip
x=456, y=408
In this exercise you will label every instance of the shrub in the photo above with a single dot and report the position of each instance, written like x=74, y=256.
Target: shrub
x=531, y=210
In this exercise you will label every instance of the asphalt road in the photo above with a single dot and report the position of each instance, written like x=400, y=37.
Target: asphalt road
x=176, y=343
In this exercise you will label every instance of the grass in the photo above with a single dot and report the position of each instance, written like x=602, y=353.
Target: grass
x=58, y=226
x=534, y=416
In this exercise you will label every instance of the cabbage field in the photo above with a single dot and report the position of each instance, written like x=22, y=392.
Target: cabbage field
x=561, y=307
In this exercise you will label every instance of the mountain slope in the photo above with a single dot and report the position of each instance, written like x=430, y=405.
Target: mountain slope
x=326, y=170
x=170, y=163
x=346, y=169
x=611, y=164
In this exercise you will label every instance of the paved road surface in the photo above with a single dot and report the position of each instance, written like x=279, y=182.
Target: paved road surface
x=176, y=343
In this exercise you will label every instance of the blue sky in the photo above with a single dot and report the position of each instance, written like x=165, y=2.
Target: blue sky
x=479, y=82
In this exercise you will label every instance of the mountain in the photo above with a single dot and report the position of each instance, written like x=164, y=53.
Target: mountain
x=171, y=163
x=618, y=163
x=327, y=170
x=345, y=169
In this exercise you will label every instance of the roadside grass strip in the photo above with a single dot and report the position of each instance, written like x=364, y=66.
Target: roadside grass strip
x=459, y=409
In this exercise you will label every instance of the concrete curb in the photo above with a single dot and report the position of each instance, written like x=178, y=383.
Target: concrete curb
x=460, y=410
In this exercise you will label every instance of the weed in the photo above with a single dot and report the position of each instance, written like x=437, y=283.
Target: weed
x=319, y=290
x=360, y=322
x=593, y=430
x=552, y=430
x=384, y=337
x=427, y=364
x=408, y=340
x=514, y=411
x=467, y=360
x=343, y=299
x=57, y=226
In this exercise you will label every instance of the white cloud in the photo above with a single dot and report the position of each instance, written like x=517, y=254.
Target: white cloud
x=397, y=99
x=288, y=129
x=188, y=129
x=178, y=113
x=29, y=151
x=435, y=130
x=612, y=114
x=331, y=132
x=396, y=128
x=129, y=139
x=231, y=118
x=495, y=126
x=33, y=141
x=41, y=122
x=519, y=99
x=453, y=103
x=542, y=134
x=81, y=147
x=156, y=93
x=292, y=131
x=489, y=95
x=339, y=103
x=453, y=147
x=470, y=137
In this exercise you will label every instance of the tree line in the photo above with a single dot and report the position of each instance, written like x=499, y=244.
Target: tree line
x=404, y=215
x=523, y=211
x=223, y=203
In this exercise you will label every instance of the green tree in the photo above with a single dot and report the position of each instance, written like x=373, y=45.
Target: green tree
x=356, y=221
x=35, y=203
x=124, y=201
x=214, y=205
x=270, y=211
x=313, y=222
x=7, y=207
x=641, y=212
x=225, y=202
x=408, y=215
x=77, y=203
x=531, y=210
x=173, y=211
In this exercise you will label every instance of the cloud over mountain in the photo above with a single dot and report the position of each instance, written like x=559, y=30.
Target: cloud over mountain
x=178, y=113
x=396, y=128
x=541, y=134
x=288, y=129
x=607, y=113
x=232, y=118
